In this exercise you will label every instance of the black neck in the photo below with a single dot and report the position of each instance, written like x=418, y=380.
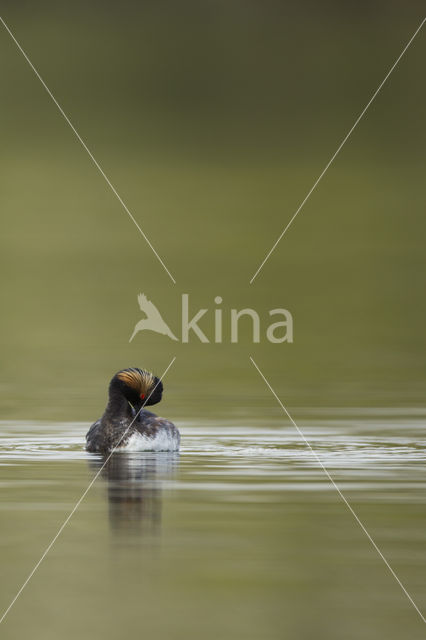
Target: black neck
x=139, y=406
x=117, y=406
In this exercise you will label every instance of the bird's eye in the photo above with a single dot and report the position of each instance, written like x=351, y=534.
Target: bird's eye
x=142, y=396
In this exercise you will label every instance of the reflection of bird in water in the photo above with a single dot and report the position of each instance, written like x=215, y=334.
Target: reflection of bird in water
x=134, y=490
x=153, y=320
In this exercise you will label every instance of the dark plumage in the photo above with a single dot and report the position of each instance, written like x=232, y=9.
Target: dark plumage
x=126, y=422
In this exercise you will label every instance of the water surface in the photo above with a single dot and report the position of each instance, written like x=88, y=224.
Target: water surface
x=239, y=535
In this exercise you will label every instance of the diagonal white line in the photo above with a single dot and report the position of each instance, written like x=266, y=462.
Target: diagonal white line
x=86, y=148
x=79, y=501
x=318, y=459
x=333, y=157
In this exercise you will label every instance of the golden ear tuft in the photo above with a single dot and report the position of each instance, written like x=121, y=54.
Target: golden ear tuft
x=131, y=377
x=147, y=382
x=140, y=381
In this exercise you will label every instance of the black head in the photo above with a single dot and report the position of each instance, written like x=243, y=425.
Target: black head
x=138, y=386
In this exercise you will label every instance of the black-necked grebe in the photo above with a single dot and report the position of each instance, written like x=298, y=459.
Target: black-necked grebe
x=125, y=423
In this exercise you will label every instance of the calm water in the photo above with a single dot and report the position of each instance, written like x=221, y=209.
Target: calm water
x=240, y=535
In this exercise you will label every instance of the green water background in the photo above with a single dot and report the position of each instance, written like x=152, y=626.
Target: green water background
x=212, y=120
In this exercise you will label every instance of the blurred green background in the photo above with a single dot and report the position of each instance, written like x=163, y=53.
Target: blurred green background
x=212, y=120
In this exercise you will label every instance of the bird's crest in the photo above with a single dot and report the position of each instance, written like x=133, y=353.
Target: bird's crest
x=138, y=379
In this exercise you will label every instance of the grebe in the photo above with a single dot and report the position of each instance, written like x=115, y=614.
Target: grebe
x=126, y=424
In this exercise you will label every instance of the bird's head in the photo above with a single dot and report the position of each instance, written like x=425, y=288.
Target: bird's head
x=138, y=386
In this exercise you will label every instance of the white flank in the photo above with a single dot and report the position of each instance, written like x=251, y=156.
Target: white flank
x=163, y=441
